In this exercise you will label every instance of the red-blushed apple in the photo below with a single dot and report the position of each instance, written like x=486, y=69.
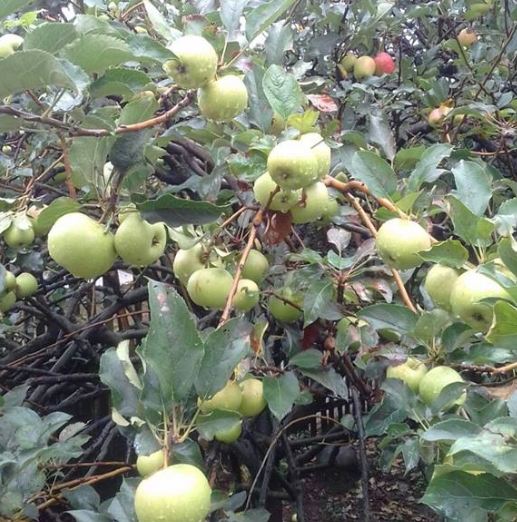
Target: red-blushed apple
x=411, y=372
x=384, y=64
x=364, y=67
x=438, y=284
x=435, y=380
x=253, y=401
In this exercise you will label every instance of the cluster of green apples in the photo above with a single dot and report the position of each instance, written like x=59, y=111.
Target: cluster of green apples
x=15, y=288
x=194, y=66
x=365, y=66
x=9, y=44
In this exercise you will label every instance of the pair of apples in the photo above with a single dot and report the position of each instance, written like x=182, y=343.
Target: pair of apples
x=366, y=66
x=16, y=287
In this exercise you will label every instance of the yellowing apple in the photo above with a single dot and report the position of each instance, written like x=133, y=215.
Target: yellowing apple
x=223, y=99
x=187, y=261
x=246, y=296
x=253, y=401
x=229, y=398
x=348, y=61
x=435, y=380
x=320, y=149
x=282, y=201
x=230, y=435
x=438, y=284
x=467, y=37
x=283, y=311
x=411, y=372
x=149, y=464
x=210, y=287
x=9, y=43
x=7, y=301
x=255, y=267
x=315, y=200
x=20, y=233
x=26, y=285
x=364, y=67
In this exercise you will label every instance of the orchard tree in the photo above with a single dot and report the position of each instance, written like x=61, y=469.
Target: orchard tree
x=215, y=214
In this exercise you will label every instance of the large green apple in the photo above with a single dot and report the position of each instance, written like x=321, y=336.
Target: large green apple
x=253, y=401
x=282, y=201
x=468, y=291
x=255, y=267
x=149, y=464
x=9, y=43
x=7, y=301
x=195, y=63
x=292, y=165
x=438, y=284
x=138, y=242
x=26, y=285
x=282, y=310
x=435, y=380
x=179, y=493
x=81, y=245
x=411, y=372
x=187, y=261
x=364, y=67
x=20, y=233
x=230, y=435
x=210, y=287
x=399, y=240
x=223, y=99
x=314, y=201
x=246, y=296
x=229, y=398
x=320, y=149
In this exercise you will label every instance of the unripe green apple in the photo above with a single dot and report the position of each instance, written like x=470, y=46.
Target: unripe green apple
x=7, y=301
x=223, y=99
x=469, y=289
x=255, y=267
x=125, y=211
x=210, y=287
x=195, y=63
x=331, y=209
x=230, y=435
x=435, y=380
x=399, y=240
x=467, y=37
x=282, y=201
x=9, y=281
x=320, y=149
x=411, y=372
x=312, y=205
x=438, y=284
x=138, y=242
x=20, y=233
x=277, y=125
x=187, y=261
x=149, y=464
x=283, y=311
x=9, y=43
x=348, y=61
x=292, y=165
x=229, y=398
x=364, y=67
x=478, y=10
x=179, y=493
x=246, y=296
x=81, y=245
x=26, y=285
x=253, y=401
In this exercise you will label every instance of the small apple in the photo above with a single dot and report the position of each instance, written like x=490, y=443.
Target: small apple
x=384, y=64
x=348, y=61
x=468, y=291
x=149, y=464
x=7, y=301
x=292, y=165
x=210, y=287
x=438, y=284
x=187, y=261
x=467, y=37
x=138, y=242
x=282, y=310
x=81, y=245
x=437, y=116
x=282, y=201
x=9, y=281
x=479, y=9
x=253, y=401
x=20, y=233
x=313, y=203
x=9, y=43
x=195, y=63
x=435, y=380
x=320, y=149
x=223, y=99
x=255, y=267
x=179, y=493
x=364, y=67
x=411, y=372
x=277, y=125
x=399, y=240
x=26, y=285
x=229, y=398
x=230, y=435
x=246, y=296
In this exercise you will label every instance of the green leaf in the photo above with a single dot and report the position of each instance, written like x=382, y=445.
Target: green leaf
x=373, y=171
x=121, y=507
x=449, y=252
x=87, y=158
x=215, y=421
x=319, y=302
x=503, y=332
x=261, y=17
x=472, y=186
x=127, y=150
x=426, y=170
x=508, y=253
x=119, y=82
x=307, y=359
x=84, y=515
x=141, y=109
x=59, y=207
x=329, y=378
x=50, y=37
x=259, y=109
x=279, y=40
x=506, y=217
x=250, y=515
x=281, y=90
x=471, y=228
x=159, y=23
x=451, y=429
x=280, y=393
x=381, y=134
x=231, y=12
x=392, y=316
x=8, y=7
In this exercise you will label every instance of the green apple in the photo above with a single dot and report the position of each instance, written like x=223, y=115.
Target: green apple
x=125, y=211
x=411, y=372
x=138, y=242
x=282, y=201
x=438, y=284
x=282, y=310
x=253, y=401
x=223, y=99
x=348, y=61
x=179, y=493
x=467, y=37
x=292, y=165
x=330, y=210
x=277, y=125
x=9, y=281
x=320, y=149
x=26, y=285
x=149, y=464
x=399, y=240
x=210, y=287
x=435, y=380
x=81, y=245
x=469, y=289
x=255, y=267
x=312, y=205
x=246, y=296
x=229, y=398
x=7, y=301
x=195, y=63
x=9, y=43
x=230, y=435
x=364, y=67
x=20, y=233
x=187, y=261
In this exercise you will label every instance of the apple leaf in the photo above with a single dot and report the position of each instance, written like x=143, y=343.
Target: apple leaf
x=282, y=91
x=375, y=172
x=427, y=169
x=473, y=186
x=159, y=23
x=308, y=359
x=217, y=420
x=503, y=332
x=319, y=302
x=507, y=251
x=280, y=393
x=381, y=134
x=450, y=253
x=473, y=229
x=329, y=378
x=451, y=429
x=392, y=316
x=250, y=515
x=279, y=40
x=119, y=82
x=85, y=515
x=10, y=6
x=259, y=109
x=231, y=12
x=59, y=207
x=261, y=17
x=50, y=37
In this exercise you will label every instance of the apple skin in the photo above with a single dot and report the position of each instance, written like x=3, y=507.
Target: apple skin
x=26, y=285
x=348, y=61
x=179, y=493
x=320, y=149
x=231, y=435
x=138, y=242
x=467, y=292
x=196, y=64
x=256, y=266
x=81, y=245
x=467, y=37
x=9, y=43
x=384, y=64
x=283, y=311
x=438, y=284
x=364, y=67
x=435, y=380
x=411, y=372
x=9, y=281
x=148, y=464
x=247, y=295
x=7, y=301
x=20, y=233
x=210, y=287
x=312, y=204
x=292, y=165
x=229, y=398
x=187, y=261
x=399, y=240
x=223, y=99
x=253, y=401
x=282, y=201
